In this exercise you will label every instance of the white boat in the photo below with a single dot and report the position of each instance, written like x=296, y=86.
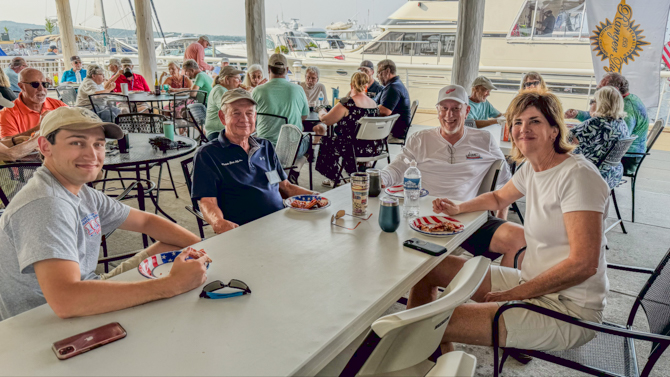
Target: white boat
x=420, y=38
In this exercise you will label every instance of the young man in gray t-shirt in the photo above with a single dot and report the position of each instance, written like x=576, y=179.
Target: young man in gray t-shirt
x=50, y=233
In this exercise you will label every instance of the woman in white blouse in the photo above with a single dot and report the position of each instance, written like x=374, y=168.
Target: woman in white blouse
x=94, y=83
x=564, y=265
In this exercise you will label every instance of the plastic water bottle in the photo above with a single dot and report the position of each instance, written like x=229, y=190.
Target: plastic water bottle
x=321, y=99
x=412, y=189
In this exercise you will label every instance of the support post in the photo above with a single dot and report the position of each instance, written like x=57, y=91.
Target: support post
x=66, y=28
x=145, y=40
x=255, y=24
x=468, y=42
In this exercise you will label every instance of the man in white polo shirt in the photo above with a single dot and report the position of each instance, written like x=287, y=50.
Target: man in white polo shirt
x=453, y=160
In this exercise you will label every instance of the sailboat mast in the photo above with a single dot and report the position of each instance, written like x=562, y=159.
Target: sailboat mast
x=105, y=35
x=158, y=22
x=132, y=10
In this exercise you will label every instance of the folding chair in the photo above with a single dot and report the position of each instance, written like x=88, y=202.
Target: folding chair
x=651, y=139
x=371, y=129
x=194, y=209
x=198, y=113
x=109, y=105
x=288, y=145
x=67, y=94
x=401, y=343
x=413, y=108
x=613, y=158
x=612, y=351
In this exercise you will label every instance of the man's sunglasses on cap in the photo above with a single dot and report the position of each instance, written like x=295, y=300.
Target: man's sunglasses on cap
x=209, y=290
x=36, y=84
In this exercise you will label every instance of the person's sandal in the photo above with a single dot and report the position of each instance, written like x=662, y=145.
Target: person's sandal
x=520, y=357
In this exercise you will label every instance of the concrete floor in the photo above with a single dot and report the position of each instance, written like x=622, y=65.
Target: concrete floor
x=645, y=244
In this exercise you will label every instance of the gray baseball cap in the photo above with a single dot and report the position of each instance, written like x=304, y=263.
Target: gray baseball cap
x=485, y=82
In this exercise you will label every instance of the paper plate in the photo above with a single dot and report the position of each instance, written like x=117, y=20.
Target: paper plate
x=306, y=199
x=415, y=224
x=158, y=266
x=399, y=192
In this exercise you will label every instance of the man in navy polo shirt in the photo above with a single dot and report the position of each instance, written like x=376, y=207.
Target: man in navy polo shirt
x=238, y=177
x=394, y=99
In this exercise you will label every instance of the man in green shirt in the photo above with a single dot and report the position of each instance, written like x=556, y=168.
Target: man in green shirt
x=228, y=79
x=201, y=81
x=481, y=110
x=279, y=97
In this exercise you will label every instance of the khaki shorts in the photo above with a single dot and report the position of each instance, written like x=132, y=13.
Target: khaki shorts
x=126, y=265
x=531, y=330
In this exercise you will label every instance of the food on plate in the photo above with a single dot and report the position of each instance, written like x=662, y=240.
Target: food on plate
x=440, y=227
x=317, y=202
x=195, y=254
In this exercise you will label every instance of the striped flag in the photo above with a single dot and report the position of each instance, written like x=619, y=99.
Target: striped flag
x=666, y=55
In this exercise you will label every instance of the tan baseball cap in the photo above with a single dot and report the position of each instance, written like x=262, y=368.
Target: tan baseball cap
x=204, y=38
x=278, y=61
x=453, y=92
x=485, y=82
x=126, y=61
x=77, y=118
x=229, y=70
x=235, y=95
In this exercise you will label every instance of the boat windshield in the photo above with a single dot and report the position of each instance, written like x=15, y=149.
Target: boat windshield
x=414, y=44
x=557, y=19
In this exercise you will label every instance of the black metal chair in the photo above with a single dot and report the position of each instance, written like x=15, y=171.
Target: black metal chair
x=109, y=105
x=13, y=178
x=612, y=351
x=194, y=209
x=67, y=94
x=413, y=108
x=613, y=158
x=198, y=113
x=651, y=139
x=141, y=188
x=179, y=106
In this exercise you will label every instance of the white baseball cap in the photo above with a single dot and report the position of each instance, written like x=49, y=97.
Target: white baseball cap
x=453, y=92
x=77, y=118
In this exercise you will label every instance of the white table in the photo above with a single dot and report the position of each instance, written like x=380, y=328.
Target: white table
x=316, y=288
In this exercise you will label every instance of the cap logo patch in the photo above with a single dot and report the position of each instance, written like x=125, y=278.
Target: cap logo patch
x=449, y=91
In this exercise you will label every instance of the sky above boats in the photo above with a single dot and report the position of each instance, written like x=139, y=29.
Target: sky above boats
x=215, y=17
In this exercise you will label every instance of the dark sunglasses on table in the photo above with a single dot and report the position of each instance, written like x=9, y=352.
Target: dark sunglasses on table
x=209, y=290
x=36, y=84
x=531, y=83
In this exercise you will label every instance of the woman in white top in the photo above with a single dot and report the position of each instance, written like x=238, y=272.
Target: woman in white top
x=94, y=83
x=564, y=265
x=253, y=78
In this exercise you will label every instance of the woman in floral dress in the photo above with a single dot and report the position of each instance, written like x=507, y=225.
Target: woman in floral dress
x=596, y=136
x=343, y=143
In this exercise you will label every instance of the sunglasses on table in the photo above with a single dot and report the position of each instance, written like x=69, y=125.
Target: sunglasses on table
x=531, y=83
x=36, y=84
x=340, y=214
x=209, y=290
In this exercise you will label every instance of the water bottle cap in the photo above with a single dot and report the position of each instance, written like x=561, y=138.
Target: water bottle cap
x=412, y=164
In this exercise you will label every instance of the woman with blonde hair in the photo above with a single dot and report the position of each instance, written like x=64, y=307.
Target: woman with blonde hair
x=564, y=267
x=175, y=79
x=343, y=141
x=254, y=77
x=533, y=80
x=597, y=135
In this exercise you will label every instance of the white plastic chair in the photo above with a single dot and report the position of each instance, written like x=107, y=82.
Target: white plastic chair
x=491, y=178
x=375, y=128
x=401, y=343
x=288, y=143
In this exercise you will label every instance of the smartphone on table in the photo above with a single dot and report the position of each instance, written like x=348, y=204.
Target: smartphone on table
x=88, y=340
x=425, y=247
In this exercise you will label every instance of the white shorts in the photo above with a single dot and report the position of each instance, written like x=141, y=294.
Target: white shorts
x=531, y=330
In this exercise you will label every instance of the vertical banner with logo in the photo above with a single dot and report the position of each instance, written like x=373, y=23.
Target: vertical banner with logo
x=627, y=37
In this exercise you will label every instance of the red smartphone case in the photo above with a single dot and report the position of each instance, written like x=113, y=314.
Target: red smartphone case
x=89, y=340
